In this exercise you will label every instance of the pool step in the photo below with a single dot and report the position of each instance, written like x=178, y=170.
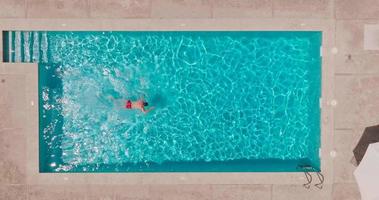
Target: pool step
x=35, y=47
x=10, y=47
x=17, y=46
x=25, y=46
x=27, y=39
x=44, y=46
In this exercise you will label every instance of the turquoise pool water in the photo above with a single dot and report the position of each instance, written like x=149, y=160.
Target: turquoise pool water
x=224, y=101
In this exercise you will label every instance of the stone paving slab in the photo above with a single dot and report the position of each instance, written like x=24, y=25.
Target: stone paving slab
x=181, y=9
x=12, y=101
x=371, y=37
x=300, y=8
x=13, y=192
x=120, y=8
x=180, y=192
x=368, y=104
x=345, y=141
x=131, y=192
x=242, y=8
x=353, y=9
x=12, y=8
x=357, y=101
x=339, y=9
x=243, y=24
x=298, y=192
x=13, y=156
x=350, y=37
x=357, y=64
x=346, y=191
x=57, y=9
x=226, y=192
x=177, y=192
x=45, y=192
x=346, y=110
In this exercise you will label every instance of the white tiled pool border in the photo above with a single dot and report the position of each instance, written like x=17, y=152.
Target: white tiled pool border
x=31, y=90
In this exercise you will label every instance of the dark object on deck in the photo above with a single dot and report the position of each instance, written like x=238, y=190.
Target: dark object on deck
x=370, y=135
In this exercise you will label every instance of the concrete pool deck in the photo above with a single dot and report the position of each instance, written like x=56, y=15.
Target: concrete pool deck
x=350, y=77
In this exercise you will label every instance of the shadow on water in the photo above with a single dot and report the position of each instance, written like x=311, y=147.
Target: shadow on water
x=50, y=119
x=158, y=99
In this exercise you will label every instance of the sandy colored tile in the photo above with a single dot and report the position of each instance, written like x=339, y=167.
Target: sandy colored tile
x=12, y=117
x=347, y=96
x=53, y=179
x=222, y=178
x=371, y=39
x=180, y=192
x=120, y=8
x=226, y=192
x=4, y=97
x=45, y=192
x=303, y=8
x=181, y=9
x=78, y=194
x=126, y=192
x=12, y=69
x=13, y=156
x=99, y=192
x=31, y=87
x=57, y=9
x=298, y=192
x=6, y=121
x=114, y=178
x=12, y=8
x=368, y=103
x=357, y=101
x=344, y=143
x=353, y=9
x=19, y=69
x=357, y=63
x=260, y=24
x=12, y=101
x=348, y=191
x=242, y=8
x=349, y=38
x=13, y=192
x=62, y=192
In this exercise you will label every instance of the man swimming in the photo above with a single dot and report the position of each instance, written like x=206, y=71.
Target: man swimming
x=140, y=104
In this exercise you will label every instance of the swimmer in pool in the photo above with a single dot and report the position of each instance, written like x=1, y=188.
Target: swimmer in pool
x=140, y=104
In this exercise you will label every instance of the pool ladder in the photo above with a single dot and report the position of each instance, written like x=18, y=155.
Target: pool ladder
x=307, y=169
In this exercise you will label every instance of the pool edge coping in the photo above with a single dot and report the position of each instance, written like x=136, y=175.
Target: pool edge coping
x=31, y=73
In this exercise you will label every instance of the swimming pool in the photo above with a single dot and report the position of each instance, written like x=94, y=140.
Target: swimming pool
x=225, y=101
